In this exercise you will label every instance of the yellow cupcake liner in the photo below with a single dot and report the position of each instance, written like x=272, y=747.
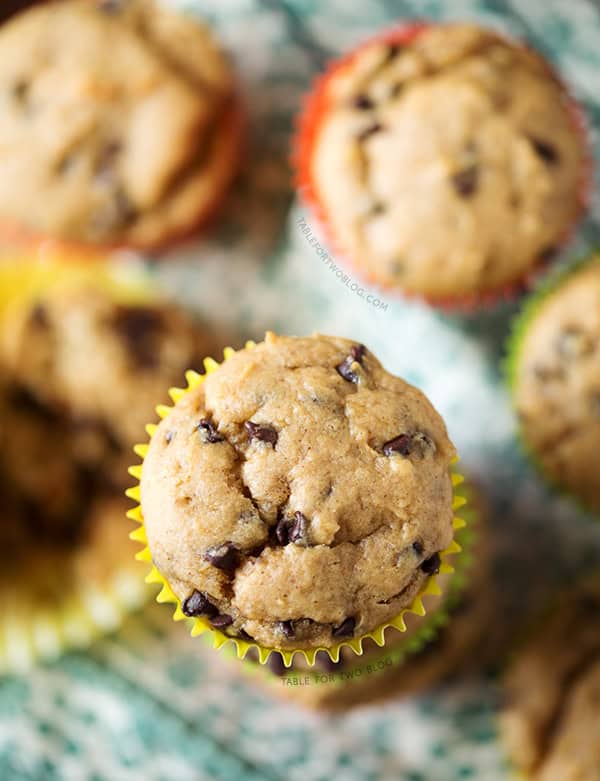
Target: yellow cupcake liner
x=70, y=619
x=24, y=278
x=200, y=625
x=40, y=618
x=514, y=354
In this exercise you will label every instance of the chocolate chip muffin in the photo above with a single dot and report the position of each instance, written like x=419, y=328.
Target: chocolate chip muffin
x=551, y=720
x=445, y=161
x=557, y=382
x=300, y=495
x=119, y=123
x=103, y=362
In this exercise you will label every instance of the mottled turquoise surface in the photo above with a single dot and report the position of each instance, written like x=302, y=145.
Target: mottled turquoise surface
x=153, y=704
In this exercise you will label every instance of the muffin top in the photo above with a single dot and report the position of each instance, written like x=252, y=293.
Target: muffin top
x=300, y=495
x=449, y=165
x=550, y=723
x=557, y=384
x=108, y=121
x=102, y=362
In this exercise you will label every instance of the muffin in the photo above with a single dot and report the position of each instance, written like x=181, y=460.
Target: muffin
x=120, y=123
x=551, y=720
x=82, y=350
x=299, y=496
x=443, y=161
x=555, y=376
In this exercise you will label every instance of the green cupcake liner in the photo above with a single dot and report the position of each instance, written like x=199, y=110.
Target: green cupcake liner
x=513, y=355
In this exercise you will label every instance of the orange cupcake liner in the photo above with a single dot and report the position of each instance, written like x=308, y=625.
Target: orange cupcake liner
x=233, y=124
x=308, y=123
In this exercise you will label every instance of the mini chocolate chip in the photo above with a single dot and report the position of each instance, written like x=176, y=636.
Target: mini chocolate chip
x=198, y=604
x=431, y=566
x=465, y=181
x=125, y=211
x=110, y=6
x=225, y=557
x=377, y=209
x=105, y=162
x=169, y=437
x=396, y=268
x=418, y=547
x=393, y=50
x=357, y=351
x=221, y=621
x=545, y=150
x=20, y=90
x=369, y=131
x=275, y=663
x=396, y=89
x=344, y=369
x=39, y=316
x=139, y=327
x=282, y=531
x=363, y=103
x=298, y=530
x=208, y=432
x=573, y=343
x=261, y=433
x=401, y=444
x=547, y=254
x=286, y=628
x=245, y=636
x=345, y=629
x=293, y=529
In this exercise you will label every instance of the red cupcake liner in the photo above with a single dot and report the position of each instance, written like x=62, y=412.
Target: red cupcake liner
x=315, y=106
x=233, y=124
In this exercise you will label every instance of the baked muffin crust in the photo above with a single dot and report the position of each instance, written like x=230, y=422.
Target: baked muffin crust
x=300, y=495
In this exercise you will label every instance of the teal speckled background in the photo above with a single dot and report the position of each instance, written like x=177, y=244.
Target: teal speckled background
x=153, y=704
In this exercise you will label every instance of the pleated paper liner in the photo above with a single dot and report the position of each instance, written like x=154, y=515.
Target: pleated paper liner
x=201, y=625
x=513, y=352
x=397, y=650
x=228, y=158
x=52, y=600
x=308, y=123
x=24, y=278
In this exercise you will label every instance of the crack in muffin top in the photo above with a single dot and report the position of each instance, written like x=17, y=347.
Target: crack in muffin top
x=447, y=165
x=300, y=495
